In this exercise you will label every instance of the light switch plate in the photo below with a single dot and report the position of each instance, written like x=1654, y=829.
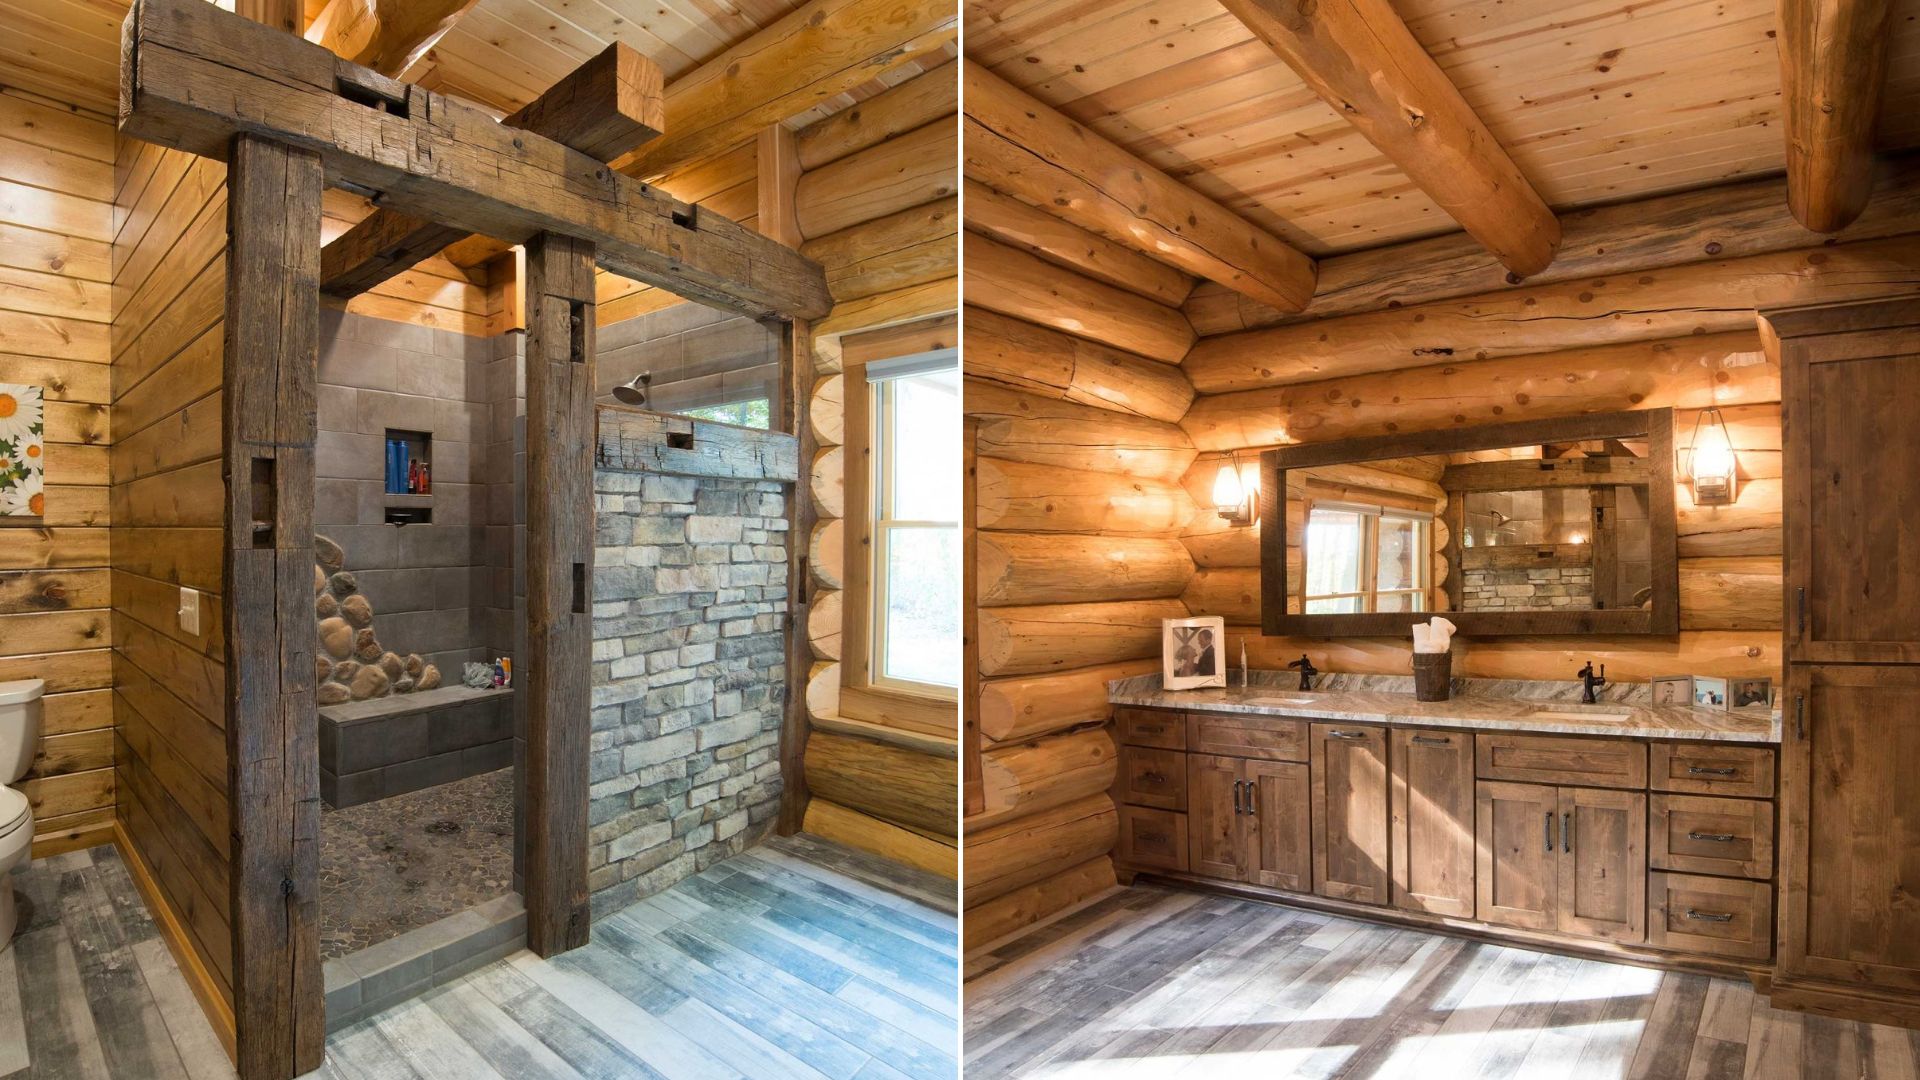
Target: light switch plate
x=190, y=610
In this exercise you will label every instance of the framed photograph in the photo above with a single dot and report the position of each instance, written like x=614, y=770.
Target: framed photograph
x=1750, y=694
x=1709, y=692
x=1193, y=652
x=1672, y=689
x=23, y=460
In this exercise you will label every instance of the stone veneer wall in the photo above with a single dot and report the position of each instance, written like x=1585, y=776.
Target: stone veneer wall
x=690, y=603
x=1531, y=589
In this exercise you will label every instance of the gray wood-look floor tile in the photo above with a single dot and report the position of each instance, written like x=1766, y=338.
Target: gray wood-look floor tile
x=1151, y=982
x=796, y=960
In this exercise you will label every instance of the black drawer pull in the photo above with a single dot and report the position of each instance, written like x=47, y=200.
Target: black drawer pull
x=1566, y=832
x=1348, y=734
x=1152, y=837
x=1549, y=832
x=1718, y=838
x=1238, y=787
x=1152, y=778
x=1709, y=916
x=1430, y=740
x=1151, y=729
x=1704, y=770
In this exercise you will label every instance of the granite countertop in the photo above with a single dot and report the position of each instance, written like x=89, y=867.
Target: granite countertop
x=1484, y=705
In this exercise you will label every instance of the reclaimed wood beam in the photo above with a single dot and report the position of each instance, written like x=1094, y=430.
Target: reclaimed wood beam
x=1361, y=59
x=388, y=36
x=194, y=76
x=814, y=53
x=1019, y=145
x=560, y=449
x=1724, y=222
x=603, y=108
x=272, y=349
x=1833, y=61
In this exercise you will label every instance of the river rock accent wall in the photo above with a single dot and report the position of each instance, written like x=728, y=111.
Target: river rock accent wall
x=689, y=650
x=352, y=664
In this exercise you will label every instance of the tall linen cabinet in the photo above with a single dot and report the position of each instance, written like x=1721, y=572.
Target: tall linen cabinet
x=1849, y=912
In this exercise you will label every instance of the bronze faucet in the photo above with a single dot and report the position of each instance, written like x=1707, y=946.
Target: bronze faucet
x=1588, y=680
x=1307, y=671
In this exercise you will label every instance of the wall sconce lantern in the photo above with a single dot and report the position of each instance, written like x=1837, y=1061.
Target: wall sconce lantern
x=1236, y=493
x=1711, y=465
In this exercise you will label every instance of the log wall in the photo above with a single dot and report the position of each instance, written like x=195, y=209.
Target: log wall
x=56, y=228
x=170, y=699
x=1079, y=510
x=877, y=206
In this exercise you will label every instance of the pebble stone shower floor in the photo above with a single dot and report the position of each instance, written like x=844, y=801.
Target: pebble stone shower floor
x=395, y=865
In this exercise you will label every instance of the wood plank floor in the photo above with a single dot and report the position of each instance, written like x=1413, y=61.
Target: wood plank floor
x=1154, y=982
x=797, y=959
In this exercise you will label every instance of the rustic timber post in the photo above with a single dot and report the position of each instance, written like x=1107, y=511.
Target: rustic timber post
x=273, y=763
x=794, y=416
x=560, y=434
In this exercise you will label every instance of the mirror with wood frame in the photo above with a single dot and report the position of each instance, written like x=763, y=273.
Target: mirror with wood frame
x=1559, y=526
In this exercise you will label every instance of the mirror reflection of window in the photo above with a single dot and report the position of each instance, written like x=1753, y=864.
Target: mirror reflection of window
x=914, y=410
x=1366, y=559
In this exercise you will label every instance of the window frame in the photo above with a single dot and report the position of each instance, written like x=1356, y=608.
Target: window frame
x=882, y=526
x=1370, y=593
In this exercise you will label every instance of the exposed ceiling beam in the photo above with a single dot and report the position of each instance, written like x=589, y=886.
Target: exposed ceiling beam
x=606, y=107
x=385, y=35
x=1021, y=146
x=1833, y=61
x=1362, y=60
x=195, y=76
x=815, y=52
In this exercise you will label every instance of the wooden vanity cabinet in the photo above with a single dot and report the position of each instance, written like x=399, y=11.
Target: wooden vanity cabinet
x=1432, y=840
x=1349, y=810
x=1565, y=859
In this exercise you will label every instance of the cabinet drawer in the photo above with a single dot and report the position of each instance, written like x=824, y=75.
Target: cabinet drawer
x=1703, y=835
x=1155, y=778
x=1556, y=759
x=1265, y=737
x=1712, y=916
x=1154, y=839
x=1151, y=727
x=1713, y=769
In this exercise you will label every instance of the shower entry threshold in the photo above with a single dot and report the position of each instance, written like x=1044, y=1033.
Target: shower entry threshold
x=398, y=969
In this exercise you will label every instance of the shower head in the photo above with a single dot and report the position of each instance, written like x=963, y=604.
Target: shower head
x=634, y=390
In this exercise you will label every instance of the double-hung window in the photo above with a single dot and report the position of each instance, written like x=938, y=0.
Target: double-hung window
x=913, y=413
x=1364, y=558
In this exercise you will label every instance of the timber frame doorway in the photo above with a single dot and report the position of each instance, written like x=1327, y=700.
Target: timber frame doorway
x=289, y=118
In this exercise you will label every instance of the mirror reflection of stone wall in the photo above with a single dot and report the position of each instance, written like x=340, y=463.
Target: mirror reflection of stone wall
x=1528, y=528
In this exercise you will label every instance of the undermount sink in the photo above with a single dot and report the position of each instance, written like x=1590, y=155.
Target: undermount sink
x=1580, y=717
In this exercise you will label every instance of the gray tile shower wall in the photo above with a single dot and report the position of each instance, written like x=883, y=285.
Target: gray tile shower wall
x=433, y=586
x=698, y=357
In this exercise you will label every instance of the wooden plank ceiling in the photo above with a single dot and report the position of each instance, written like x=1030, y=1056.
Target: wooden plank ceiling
x=1597, y=101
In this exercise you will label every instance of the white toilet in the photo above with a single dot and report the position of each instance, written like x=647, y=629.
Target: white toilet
x=19, y=734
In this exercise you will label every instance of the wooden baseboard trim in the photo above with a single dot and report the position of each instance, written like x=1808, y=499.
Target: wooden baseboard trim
x=200, y=980
x=1845, y=1003
x=1524, y=939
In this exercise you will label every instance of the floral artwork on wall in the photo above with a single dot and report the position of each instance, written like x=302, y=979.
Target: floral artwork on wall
x=23, y=460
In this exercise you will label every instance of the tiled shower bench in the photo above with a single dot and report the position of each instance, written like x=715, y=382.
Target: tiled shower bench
x=388, y=746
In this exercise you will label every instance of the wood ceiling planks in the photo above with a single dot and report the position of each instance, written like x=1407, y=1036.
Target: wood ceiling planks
x=1596, y=100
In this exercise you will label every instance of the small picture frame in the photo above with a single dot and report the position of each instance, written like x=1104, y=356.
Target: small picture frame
x=1710, y=692
x=1750, y=694
x=1193, y=652
x=1672, y=689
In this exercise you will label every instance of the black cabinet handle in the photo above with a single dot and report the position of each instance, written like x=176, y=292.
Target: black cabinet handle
x=1236, y=797
x=1703, y=770
x=1566, y=832
x=1718, y=838
x=1431, y=740
x=1548, y=832
x=1801, y=604
x=1153, y=778
x=1253, y=798
x=1800, y=716
x=1709, y=916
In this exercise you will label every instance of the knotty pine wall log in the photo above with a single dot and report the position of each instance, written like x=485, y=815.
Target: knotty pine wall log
x=55, y=583
x=1032, y=777
x=1014, y=282
x=1039, y=360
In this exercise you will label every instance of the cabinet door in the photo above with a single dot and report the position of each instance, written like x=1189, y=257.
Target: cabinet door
x=1216, y=835
x=1432, y=825
x=1282, y=855
x=1850, y=804
x=1350, y=812
x=1603, y=864
x=1850, y=386
x=1517, y=828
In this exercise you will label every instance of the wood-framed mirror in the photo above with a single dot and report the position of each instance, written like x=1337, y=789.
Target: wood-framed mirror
x=1561, y=526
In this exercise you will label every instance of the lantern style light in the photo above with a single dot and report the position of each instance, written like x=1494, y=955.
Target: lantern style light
x=1711, y=465
x=1236, y=496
